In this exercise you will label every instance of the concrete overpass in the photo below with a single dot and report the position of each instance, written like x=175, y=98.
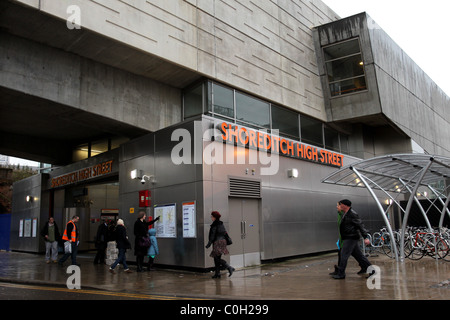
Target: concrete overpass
x=61, y=87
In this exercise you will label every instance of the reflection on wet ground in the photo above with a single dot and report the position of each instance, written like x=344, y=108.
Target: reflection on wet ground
x=296, y=279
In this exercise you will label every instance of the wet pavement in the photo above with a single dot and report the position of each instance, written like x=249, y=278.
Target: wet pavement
x=296, y=279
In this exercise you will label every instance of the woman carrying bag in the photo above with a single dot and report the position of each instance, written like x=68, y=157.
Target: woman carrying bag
x=217, y=237
x=141, y=240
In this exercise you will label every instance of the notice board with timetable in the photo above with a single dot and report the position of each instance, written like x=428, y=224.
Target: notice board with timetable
x=189, y=224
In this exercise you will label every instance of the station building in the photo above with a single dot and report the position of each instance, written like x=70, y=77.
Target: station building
x=179, y=108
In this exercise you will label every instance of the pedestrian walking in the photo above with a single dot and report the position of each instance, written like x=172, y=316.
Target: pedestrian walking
x=351, y=229
x=71, y=235
x=153, y=250
x=101, y=241
x=216, y=237
x=122, y=244
x=51, y=235
x=141, y=240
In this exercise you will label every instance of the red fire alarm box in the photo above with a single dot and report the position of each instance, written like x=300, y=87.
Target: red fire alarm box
x=144, y=198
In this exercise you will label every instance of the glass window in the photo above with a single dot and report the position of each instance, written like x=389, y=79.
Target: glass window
x=222, y=101
x=285, y=121
x=331, y=139
x=193, y=101
x=252, y=110
x=98, y=147
x=311, y=131
x=348, y=86
x=80, y=152
x=342, y=49
x=345, y=67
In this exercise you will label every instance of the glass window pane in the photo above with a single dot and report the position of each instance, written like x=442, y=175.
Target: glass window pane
x=223, y=101
x=193, y=101
x=341, y=49
x=98, y=147
x=345, y=68
x=311, y=130
x=285, y=121
x=252, y=110
x=80, y=152
x=331, y=139
x=348, y=86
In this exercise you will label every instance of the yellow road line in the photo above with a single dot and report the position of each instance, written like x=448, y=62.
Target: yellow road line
x=98, y=292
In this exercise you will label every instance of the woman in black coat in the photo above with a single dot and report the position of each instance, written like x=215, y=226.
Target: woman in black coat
x=140, y=232
x=217, y=239
x=122, y=244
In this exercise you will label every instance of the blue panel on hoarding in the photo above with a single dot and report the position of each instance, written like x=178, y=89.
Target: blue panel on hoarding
x=5, y=228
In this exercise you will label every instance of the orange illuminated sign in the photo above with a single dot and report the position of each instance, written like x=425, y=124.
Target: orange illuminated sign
x=263, y=141
x=82, y=174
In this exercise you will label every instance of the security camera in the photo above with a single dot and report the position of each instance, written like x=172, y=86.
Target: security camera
x=143, y=180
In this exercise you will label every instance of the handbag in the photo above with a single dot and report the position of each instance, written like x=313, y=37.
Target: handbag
x=144, y=242
x=228, y=239
x=67, y=247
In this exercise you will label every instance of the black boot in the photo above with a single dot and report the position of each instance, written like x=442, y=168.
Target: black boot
x=216, y=274
x=335, y=272
x=230, y=270
x=139, y=263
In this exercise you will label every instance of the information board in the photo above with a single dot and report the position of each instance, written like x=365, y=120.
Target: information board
x=166, y=227
x=189, y=227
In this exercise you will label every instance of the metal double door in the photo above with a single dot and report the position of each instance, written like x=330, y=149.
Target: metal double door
x=244, y=229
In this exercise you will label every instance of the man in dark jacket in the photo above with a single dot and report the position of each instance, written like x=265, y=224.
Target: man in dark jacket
x=101, y=241
x=350, y=230
x=51, y=235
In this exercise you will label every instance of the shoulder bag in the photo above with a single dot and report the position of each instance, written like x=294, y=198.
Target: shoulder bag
x=228, y=239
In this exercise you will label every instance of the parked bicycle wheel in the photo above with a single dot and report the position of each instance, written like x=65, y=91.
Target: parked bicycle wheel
x=416, y=251
x=388, y=246
x=442, y=249
x=447, y=256
x=377, y=240
x=408, y=248
x=431, y=242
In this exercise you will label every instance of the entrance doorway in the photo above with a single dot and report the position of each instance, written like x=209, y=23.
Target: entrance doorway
x=89, y=202
x=244, y=229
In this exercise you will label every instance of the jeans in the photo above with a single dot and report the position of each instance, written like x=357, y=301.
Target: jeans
x=51, y=248
x=121, y=258
x=351, y=248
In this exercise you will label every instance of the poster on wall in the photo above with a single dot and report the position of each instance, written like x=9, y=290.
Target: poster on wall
x=34, y=228
x=21, y=228
x=189, y=227
x=166, y=227
x=27, y=228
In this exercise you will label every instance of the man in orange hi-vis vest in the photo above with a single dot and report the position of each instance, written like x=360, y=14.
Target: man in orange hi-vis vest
x=71, y=235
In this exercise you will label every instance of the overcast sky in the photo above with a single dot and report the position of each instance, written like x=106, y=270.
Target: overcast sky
x=420, y=27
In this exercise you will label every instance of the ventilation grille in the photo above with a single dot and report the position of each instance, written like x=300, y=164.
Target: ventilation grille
x=244, y=188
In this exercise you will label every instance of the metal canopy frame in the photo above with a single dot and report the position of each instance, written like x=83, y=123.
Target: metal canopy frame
x=399, y=174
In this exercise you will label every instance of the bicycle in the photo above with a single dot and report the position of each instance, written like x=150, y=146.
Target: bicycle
x=428, y=243
x=381, y=241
